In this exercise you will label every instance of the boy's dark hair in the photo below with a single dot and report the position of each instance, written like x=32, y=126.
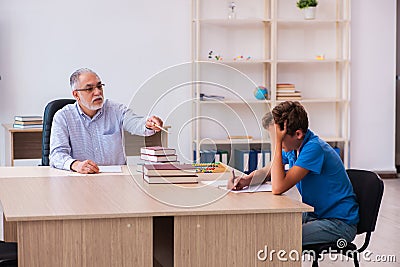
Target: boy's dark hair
x=294, y=114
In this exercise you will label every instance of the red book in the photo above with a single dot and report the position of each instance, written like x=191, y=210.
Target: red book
x=154, y=158
x=169, y=170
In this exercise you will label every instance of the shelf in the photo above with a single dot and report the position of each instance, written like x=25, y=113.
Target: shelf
x=279, y=61
x=317, y=100
x=329, y=60
x=250, y=61
x=333, y=139
x=233, y=141
x=233, y=22
x=310, y=21
x=260, y=141
x=234, y=102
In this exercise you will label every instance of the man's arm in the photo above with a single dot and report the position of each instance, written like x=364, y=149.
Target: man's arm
x=139, y=125
x=60, y=149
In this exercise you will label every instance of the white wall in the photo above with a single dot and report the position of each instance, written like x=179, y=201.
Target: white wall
x=43, y=41
x=373, y=85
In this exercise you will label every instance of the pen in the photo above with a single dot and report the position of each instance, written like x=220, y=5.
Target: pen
x=161, y=128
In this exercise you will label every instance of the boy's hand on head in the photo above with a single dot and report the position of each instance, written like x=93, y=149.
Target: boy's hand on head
x=280, y=134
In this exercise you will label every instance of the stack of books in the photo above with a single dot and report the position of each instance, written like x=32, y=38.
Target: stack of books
x=28, y=122
x=169, y=173
x=158, y=154
x=287, y=91
x=204, y=97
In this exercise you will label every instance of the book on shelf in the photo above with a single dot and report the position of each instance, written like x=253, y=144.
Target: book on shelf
x=28, y=118
x=249, y=137
x=157, y=150
x=288, y=98
x=295, y=93
x=160, y=158
x=285, y=85
x=204, y=97
x=39, y=122
x=169, y=170
x=285, y=89
x=170, y=179
x=20, y=126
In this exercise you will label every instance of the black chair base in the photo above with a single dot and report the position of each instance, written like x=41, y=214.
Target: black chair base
x=8, y=254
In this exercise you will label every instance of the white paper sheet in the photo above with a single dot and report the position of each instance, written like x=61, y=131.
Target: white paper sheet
x=111, y=168
x=266, y=187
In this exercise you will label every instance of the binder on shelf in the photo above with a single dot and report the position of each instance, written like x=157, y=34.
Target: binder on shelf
x=207, y=156
x=223, y=155
x=253, y=159
x=242, y=160
x=246, y=160
x=260, y=160
x=266, y=157
x=217, y=157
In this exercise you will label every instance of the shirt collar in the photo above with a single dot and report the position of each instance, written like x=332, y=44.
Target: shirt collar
x=307, y=137
x=83, y=114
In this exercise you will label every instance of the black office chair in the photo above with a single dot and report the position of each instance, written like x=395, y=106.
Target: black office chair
x=51, y=108
x=8, y=254
x=368, y=188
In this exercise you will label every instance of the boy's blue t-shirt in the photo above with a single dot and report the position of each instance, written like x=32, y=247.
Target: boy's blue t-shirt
x=326, y=187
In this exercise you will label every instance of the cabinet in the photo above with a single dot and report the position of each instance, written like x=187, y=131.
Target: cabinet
x=268, y=42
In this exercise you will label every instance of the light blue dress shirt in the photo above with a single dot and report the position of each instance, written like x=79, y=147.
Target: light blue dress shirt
x=76, y=136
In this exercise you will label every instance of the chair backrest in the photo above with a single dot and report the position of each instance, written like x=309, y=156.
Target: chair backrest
x=51, y=108
x=368, y=188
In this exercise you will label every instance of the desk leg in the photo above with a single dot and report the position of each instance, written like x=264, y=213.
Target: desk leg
x=92, y=242
x=235, y=240
x=9, y=230
x=9, y=148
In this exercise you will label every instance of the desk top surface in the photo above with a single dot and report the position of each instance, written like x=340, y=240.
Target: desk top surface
x=42, y=193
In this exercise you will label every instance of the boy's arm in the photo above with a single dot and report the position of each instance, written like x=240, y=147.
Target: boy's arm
x=254, y=178
x=281, y=181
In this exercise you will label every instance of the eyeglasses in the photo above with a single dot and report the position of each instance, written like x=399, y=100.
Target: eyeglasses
x=91, y=88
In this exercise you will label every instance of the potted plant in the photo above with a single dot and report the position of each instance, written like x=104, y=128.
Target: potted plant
x=309, y=7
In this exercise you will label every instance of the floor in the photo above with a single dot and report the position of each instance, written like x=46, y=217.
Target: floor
x=384, y=247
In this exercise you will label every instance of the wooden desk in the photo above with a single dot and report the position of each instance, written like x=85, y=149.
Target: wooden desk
x=107, y=220
x=27, y=143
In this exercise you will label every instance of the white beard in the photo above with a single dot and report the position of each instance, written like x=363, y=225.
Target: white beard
x=92, y=106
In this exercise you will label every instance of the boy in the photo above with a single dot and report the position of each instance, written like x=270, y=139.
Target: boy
x=317, y=171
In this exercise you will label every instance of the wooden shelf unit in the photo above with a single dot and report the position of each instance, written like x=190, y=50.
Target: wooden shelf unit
x=282, y=48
